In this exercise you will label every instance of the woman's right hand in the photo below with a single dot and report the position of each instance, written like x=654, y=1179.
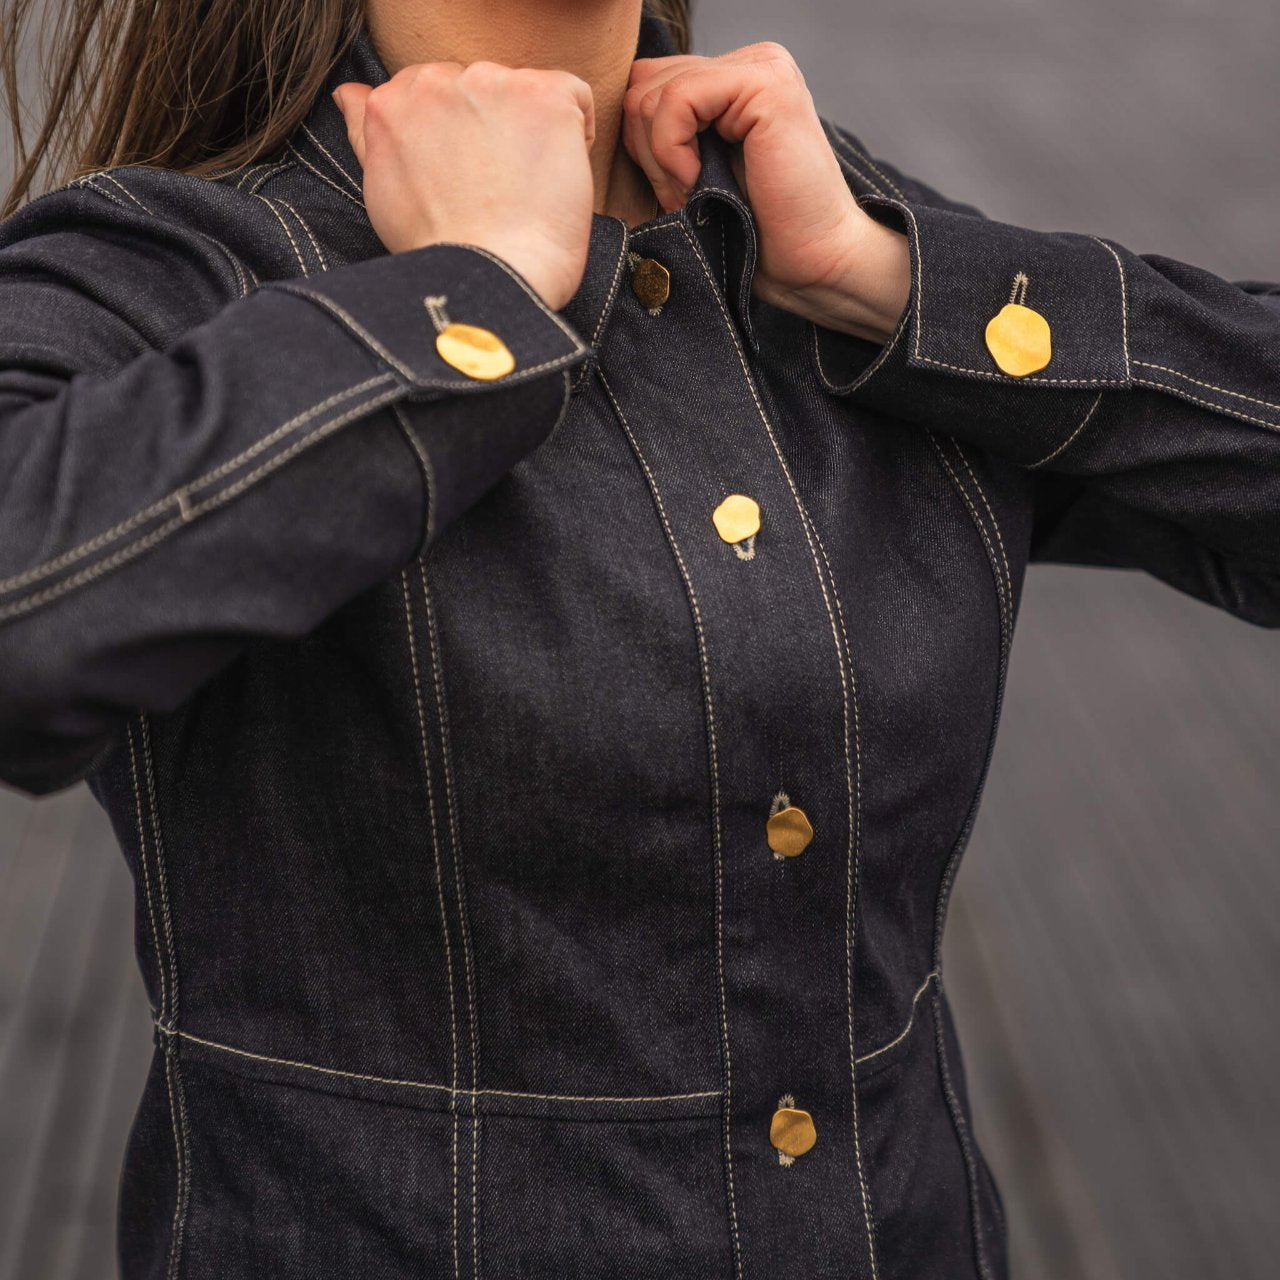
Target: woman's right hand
x=484, y=154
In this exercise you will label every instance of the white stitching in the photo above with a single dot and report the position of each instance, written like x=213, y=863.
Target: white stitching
x=1124, y=300
x=444, y=920
x=158, y=534
x=863, y=154
x=302, y=222
x=1207, y=404
x=180, y=1171
x=1084, y=422
x=428, y=473
x=233, y=261
x=853, y=784
x=715, y=811
x=333, y=160
x=439, y=1088
x=1209, y=386
x=1004, y=606
x=442, y=719
x=272, y=170
x=840, y=149
x=524, y=284
x=161, y=967
x=1033, y=380
x=166, y=914
x=297, y=253
x=408, y=374
x=328, y=181
x=995, y=524
x=906, y=1031
x=962, y=1133
x=99, y=540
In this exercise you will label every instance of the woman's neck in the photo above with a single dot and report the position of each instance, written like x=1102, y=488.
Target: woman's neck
x=593, y=39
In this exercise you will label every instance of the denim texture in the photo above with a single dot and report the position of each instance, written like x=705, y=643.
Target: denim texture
x=440, y=729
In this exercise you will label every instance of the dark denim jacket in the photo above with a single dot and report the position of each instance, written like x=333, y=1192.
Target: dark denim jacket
x=441, y=727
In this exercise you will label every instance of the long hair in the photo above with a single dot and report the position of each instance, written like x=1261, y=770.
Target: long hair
x=194, y=85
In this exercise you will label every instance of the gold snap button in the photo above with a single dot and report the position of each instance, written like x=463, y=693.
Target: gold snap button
x=737, y=517
x=474, y=351
x=1019, y=341
x=791, y=1131
x=651, y=282
x=789, y=831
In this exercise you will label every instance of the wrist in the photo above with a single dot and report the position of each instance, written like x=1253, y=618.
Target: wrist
x=867, y=293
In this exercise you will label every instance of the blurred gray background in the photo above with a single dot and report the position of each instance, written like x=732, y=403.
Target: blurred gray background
x=1113, y=947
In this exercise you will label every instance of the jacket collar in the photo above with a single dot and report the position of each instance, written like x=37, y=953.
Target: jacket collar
x=321, y=143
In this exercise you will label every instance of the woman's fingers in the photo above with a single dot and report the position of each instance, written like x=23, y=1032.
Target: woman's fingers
x=670, y=100
x=670, y=192
x=351, y=98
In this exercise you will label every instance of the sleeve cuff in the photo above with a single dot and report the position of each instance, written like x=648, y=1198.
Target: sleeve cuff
x=393, y=305
x=938, y=370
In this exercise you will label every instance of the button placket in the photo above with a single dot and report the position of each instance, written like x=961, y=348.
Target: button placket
x=768, y=645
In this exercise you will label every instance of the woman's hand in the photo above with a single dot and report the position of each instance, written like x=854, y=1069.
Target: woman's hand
x=821, y=256
x=485, y=154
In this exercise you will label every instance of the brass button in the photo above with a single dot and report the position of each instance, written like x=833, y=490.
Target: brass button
x=792, y=1131
x=474, y=351
x=789, y=831
x=651, y=282
x=1018, y=339
x=737, y=517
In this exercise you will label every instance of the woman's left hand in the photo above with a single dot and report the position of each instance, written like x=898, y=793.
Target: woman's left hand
x=820, y=255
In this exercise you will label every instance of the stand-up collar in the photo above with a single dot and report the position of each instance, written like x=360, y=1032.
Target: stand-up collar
x=322, y=144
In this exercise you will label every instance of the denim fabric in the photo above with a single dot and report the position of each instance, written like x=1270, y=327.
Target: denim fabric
x=440, y=728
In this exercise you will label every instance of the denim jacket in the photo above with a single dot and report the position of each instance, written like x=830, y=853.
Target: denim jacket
x=538, y=874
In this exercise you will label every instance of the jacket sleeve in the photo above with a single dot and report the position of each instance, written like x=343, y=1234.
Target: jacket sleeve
x=1154, y=430
x=186, y=465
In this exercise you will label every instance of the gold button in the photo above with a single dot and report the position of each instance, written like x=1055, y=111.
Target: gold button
x=792, y=1131
x=474, y=351
x=651, y=282
x=789, y=831
x=737, y=517
x=1018, y=339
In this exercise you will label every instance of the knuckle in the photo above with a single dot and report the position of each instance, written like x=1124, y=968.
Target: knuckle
x=771, y=49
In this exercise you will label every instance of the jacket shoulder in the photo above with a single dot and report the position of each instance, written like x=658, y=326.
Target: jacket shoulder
x=871, y=176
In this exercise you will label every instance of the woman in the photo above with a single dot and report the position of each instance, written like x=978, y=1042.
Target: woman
x=527, y=559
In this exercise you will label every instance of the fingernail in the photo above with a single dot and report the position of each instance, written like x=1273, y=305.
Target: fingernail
x=337, y=98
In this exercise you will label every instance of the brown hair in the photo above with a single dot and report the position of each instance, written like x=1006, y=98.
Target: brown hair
x=195, y=86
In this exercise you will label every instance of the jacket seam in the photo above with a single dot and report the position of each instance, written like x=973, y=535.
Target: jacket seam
x=333, y=160
x=865, y=156
x=1207, y=404
x=848, y=687
x=411, y=632
x=1004, y=604
x=428, y=477
x=442, y=721
x=431, y=1086
x=1062, y=448
x=962, y=1136
x=238, y=267
x=181, y=494
x=275, y=213
x=1005, y=616
x=841, y=149
x=911, y=1018
x=717, y=843
x=173, y=1070
x=302, y=222
x=324, y=177
x=1209, y=386
x=188, y=512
